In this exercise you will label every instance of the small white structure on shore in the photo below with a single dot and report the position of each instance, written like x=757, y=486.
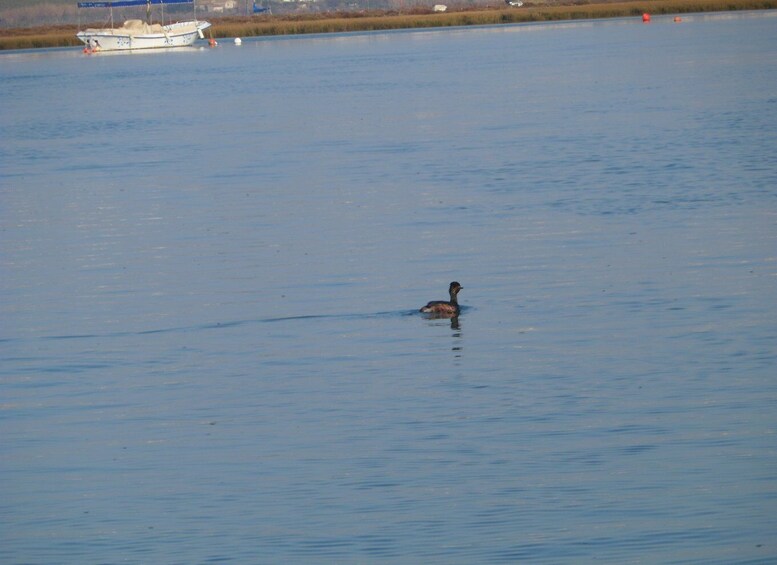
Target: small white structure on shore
x=440, y=7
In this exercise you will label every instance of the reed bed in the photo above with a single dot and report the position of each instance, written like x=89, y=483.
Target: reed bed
x=35, y=38
x=371, y=22
x=62, y=36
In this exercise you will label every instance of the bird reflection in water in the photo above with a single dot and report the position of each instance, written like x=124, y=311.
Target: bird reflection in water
x=453, y=318
x=457, y=347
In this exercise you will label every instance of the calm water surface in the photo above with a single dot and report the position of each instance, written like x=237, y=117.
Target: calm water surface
x=212, y=261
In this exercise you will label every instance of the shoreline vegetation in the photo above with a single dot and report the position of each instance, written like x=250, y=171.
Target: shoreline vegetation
x=64, y=35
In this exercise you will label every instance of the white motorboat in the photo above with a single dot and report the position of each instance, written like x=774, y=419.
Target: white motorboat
x=137, y=34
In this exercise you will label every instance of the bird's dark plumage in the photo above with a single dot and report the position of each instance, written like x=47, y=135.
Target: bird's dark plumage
x=445, y=307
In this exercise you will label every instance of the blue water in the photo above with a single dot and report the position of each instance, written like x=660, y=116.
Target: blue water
x=212, y=262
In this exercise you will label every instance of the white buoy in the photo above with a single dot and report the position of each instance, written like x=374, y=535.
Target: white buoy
x=238, y=41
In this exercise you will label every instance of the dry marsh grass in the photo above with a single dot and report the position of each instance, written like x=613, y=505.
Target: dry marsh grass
x=339, y=23
x=61, y=36
x=33, y=38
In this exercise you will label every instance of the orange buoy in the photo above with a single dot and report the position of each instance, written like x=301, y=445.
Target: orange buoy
x=646, y=18
x=212, y=42
x=677, y=19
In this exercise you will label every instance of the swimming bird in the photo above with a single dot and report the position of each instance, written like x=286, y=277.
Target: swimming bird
x=444, y=307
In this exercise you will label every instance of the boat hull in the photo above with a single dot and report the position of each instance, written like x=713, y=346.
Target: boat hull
x=180, y=34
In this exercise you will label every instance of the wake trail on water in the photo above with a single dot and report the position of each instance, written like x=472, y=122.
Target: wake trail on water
x=216, y=326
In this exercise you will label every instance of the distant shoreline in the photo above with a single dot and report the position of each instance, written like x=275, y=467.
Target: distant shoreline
x=64, y=36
